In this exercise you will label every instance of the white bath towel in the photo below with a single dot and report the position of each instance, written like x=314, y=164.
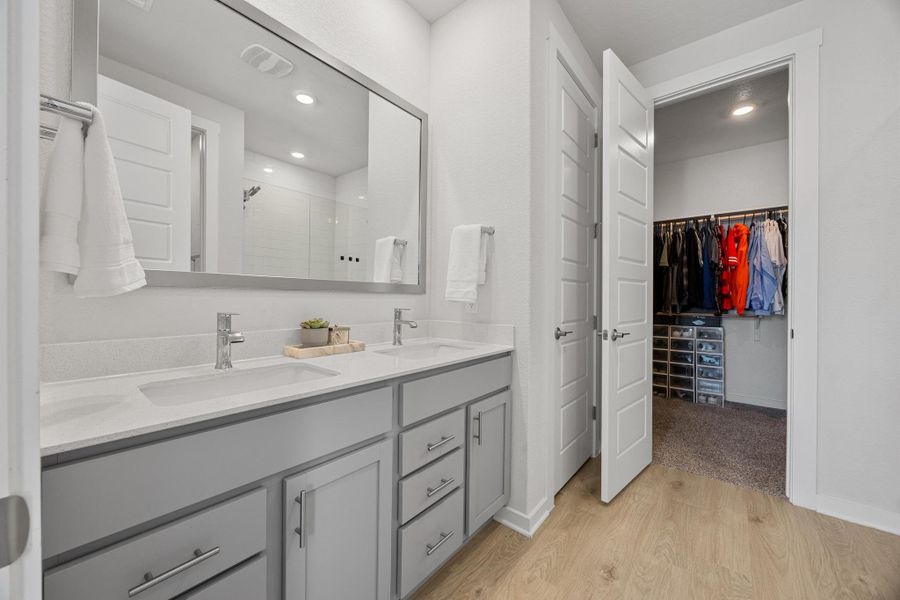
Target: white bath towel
x=388, y=261
x=106, y=265
x=61, y=200
x=466, y=269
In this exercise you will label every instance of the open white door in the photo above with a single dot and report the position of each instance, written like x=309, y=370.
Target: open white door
x=627, y=208
x=573, y=144
x=20, y=503
x=151, y=142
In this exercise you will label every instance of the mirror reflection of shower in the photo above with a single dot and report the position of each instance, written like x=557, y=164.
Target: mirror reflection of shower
x=249, y=194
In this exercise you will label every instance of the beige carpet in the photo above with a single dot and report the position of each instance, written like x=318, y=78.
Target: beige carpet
x=739, y=444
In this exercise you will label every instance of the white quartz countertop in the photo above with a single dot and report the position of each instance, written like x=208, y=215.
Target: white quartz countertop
x=86, y=412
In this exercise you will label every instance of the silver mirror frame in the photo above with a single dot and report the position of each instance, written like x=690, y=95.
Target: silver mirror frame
x=85, y=67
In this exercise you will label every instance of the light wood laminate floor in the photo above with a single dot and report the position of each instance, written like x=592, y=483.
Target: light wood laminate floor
x=671, y=534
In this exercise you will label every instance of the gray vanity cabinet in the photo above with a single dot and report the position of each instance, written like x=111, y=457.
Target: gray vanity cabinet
x=337, y=530
x=489, y=458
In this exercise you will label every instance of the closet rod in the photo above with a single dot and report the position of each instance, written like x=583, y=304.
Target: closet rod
x=729, y=216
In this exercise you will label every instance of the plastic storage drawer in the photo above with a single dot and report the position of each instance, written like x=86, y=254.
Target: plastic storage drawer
x=659, y=378
x=685, y=345
x=660, y=367
x=661, y=355
x=682, y=395
x=710, y=373
x=682, y=383
x=661, y=342
x=714, y=387
x=711, y=346
x=661, y=330
x=682, y=332
x=709, y=333
x=682, y=370
x=660, y=391
x=685, y=358
x=713, y=399
x=710, y=360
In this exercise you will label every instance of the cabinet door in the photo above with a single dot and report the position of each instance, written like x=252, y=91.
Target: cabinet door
x=489, y=454
x=337, y=538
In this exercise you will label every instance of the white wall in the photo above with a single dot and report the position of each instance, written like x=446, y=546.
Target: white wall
x=859, y=186
x=231, y=150
x=384, y=39
x=742, y=179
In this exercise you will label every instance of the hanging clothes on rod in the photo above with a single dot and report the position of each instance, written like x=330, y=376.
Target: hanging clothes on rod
x=720, y=263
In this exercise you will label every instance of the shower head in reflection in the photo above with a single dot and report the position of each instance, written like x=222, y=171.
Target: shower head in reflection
x=250, y=193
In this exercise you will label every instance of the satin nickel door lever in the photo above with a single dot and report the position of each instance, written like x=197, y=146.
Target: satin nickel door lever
x=560, y=333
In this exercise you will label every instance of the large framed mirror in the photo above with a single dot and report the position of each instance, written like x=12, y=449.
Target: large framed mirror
x=247, y=156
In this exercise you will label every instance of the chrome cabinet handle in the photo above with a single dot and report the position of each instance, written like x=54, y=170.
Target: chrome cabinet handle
x=151, y=581
x=560, y=333
x=432, y=548
x=444, y=483
x=436, y=445
x=616, y=334
x=478, y=436
x=301, y=530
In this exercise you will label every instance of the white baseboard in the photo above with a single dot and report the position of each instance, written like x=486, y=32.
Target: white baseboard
x=521, y=523
x=861, y=514
x=756, y=401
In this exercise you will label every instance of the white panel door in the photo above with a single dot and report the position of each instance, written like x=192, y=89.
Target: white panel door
x=575, y=198
x=151, y=142
x=627, y=206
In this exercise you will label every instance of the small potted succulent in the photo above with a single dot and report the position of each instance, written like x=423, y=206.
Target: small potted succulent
x=314, y=332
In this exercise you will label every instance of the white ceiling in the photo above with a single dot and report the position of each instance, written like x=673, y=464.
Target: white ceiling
x=198, y=44
x=433, y=10
x=704, y=124
x=640, y=29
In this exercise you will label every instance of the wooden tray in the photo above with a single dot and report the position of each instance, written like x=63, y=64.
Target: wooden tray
x=328, y=350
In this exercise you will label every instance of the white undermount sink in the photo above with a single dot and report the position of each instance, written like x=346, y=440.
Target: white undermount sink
x=230, y=383
x=426, y=351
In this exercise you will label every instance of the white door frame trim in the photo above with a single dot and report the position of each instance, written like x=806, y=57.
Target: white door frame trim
x=801, y=55
x=559, y=52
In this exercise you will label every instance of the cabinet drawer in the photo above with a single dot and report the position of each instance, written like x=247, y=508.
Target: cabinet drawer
x=246, y=581
x=715, y=347
x=423, y=444
x=426, y=397
x=90, y=499
x=225, y=535
x=428, y=541
x=418, y=492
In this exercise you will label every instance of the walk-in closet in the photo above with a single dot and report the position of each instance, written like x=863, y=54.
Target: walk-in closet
x=721, y=257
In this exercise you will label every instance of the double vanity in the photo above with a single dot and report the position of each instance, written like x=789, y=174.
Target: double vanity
x=342, y=477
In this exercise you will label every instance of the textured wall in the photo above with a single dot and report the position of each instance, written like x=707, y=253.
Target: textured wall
x=859, y=185
x=384, y=39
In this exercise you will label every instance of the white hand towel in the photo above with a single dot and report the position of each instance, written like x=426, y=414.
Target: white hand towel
x=467, y=264
x=388, y=260
x=62, y=198
x=108, y=264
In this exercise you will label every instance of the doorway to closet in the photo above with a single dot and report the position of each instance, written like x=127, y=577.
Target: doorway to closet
x=720, y=331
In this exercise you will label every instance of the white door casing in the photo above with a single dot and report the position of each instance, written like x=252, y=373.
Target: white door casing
x=627, y=208
x=151, y=142
x=574, y=195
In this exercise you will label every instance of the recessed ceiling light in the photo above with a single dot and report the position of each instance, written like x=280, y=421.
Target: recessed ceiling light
x=303, y=98
x=268, y=170
x=298, y=155
x=743, y=109
x=361, y=197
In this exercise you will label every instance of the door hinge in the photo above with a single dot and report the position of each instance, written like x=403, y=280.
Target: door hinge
x=596, y=227
x=594, y=412
x=596, y=140
x=792, y=333
x=595, y=323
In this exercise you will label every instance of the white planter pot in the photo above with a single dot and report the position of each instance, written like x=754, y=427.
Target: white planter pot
x=314, y=337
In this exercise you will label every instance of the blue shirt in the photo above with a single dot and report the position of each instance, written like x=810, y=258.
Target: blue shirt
x=763, y=284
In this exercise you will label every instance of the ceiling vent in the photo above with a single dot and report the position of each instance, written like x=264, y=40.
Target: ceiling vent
x=145, y=5
x=266, y=61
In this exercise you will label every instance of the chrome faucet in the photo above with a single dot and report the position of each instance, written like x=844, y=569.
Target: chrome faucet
x=225, y=337
x=398, y=325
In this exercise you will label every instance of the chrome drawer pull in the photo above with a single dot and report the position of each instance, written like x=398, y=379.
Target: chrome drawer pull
x=432, y=548
x=151, y=581
x=301, y=531
x=444, y=483
x=443, y=441
x=478, y=437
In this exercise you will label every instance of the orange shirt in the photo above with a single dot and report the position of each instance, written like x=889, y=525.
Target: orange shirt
x=741, y=280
